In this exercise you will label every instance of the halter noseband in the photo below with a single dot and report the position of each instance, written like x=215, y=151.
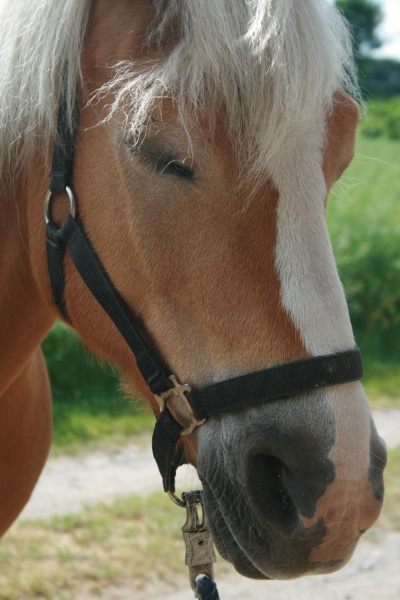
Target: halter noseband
x=246, y=390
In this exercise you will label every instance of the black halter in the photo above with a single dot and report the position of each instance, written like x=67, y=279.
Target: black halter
x=251, y=389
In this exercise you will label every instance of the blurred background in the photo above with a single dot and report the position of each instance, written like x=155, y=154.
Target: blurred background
x=108, y=545
x=364, y=207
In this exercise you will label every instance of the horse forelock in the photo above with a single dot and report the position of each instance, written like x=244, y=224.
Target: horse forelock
x=270, y=65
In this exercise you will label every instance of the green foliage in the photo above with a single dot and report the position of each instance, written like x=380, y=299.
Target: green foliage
x=68, y=362
x=369, y=264
x=382, y=119
x=87, y=401
x=375, y=76
x=379, y=77
x=363, y=17
x=391, y=505
x=364, y=222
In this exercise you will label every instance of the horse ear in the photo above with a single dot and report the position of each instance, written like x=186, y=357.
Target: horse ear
x=340, y=136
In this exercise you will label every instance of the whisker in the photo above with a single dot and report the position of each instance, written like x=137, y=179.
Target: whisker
x=384, y=408
x=374, y=159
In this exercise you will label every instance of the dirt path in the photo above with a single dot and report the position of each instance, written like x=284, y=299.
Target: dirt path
x=69, y=483
x=372, y=574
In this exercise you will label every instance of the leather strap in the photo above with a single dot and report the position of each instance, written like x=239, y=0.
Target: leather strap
x=64, y=148
x=166, y=436
x=72, y=236
x=276, y=382
x=55, y=262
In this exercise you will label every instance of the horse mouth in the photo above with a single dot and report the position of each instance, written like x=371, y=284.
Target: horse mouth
x=257, y=551
x=257, y=524
x=225, y=541
x=277, y=503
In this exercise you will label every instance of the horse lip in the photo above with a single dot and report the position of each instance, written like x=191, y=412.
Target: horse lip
x=246, y=568
x=230, y=551
x=384, y=444
x=260, y=560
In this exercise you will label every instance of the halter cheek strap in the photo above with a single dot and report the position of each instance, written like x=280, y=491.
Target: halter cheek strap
x=251, y=389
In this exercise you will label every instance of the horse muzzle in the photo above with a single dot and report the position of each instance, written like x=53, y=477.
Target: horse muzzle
x=277, y=504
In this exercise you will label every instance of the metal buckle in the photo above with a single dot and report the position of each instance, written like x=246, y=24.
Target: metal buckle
x=47, y=203
x=179, y=390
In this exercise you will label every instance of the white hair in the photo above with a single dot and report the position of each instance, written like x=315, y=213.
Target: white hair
x=41, y=42
x=271, y=64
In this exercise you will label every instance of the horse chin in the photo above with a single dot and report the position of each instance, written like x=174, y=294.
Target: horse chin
x=226, y=544
x=256, y=553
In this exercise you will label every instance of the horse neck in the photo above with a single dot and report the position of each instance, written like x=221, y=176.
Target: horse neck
x=26, y=314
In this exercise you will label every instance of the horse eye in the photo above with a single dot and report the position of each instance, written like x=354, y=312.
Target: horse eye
x=160, y=162
x=174, y=167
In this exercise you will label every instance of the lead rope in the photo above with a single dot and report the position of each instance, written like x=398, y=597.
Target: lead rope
x=200, y=554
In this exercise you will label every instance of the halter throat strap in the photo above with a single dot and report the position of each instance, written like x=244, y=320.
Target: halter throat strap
x=251, y=389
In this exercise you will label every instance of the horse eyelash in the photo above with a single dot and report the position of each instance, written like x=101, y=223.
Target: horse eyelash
x=173, y=167
x=163, y=166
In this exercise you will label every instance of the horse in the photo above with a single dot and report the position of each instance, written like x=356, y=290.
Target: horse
x=209, y=134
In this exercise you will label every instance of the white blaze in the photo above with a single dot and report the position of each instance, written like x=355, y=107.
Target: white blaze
x=311, y=291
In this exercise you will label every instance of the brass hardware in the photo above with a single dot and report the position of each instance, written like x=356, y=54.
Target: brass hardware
x=179, y=390
x=176, y=500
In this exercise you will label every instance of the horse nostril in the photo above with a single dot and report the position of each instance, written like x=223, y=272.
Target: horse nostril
x=378, y=460
x=268, y=493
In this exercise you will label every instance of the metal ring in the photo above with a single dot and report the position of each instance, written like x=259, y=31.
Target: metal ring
x=47, y=202
x=176, y=500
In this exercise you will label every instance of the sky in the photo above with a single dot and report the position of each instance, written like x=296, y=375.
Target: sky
x=389, y=30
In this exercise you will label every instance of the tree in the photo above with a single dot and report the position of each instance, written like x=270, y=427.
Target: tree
x=363, y=17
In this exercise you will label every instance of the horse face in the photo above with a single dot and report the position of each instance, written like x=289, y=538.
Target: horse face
x=289, y=486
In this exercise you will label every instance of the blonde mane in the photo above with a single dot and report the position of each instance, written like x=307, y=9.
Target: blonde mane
x=273, y=65
x=40, y=41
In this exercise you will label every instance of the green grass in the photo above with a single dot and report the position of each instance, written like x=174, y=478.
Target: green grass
x=391, y=507
x=132, y=542
x=364, y=223
x=128, y=543
x=88, y=404
x=382, y=118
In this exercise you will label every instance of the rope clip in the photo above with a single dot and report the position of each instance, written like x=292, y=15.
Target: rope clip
x=200, y=554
